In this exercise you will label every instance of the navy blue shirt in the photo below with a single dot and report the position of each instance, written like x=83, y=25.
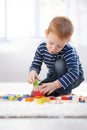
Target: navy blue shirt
x=70, y=56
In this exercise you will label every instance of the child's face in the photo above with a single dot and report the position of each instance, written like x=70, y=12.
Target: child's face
x=54, y=43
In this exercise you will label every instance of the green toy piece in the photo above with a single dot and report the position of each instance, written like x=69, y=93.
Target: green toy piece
x=35, y=84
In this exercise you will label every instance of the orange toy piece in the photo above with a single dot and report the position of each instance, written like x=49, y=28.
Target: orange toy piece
x=29, y=99
x=38, y=94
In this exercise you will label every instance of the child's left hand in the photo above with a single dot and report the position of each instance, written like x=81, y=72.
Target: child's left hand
x=47, y=88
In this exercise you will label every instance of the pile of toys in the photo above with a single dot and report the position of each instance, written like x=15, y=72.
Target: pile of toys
x=42, y=99
x=39, y=97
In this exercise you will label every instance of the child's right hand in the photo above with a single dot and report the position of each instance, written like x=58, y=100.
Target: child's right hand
x=32, y=76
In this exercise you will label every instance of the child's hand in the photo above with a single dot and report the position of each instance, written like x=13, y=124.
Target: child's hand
x=48, y=88
x=32, y=76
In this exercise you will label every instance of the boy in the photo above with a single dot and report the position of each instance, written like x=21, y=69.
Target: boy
x=64, y=68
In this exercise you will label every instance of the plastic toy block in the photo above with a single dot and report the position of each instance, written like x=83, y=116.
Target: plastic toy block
x=17, y=96
x=5, y=97
x=29, y=99
x=35, y=84
x=26, y=96
x=37, y=94
x=43, y=100
x=20, y=98
x=66, y=97
x=11, y=98
x=52, y=98
x=81, y=100
x=0, y=97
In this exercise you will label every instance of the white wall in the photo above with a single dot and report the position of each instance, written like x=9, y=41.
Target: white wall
x=16, y=57
x=81, y=31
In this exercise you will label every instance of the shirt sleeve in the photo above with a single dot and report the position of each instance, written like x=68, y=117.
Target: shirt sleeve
x=72, y=64
x=37, y=61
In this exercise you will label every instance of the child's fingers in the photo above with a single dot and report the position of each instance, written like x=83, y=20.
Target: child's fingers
x=38, y=78
x=41, y=88
x=46, y=91
x=31, y=79
x=44, y=88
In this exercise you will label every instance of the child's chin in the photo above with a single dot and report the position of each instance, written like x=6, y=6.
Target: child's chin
x=52, y=52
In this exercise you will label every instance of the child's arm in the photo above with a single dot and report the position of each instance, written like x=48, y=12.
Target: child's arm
x=37, y=60
x=35, y=66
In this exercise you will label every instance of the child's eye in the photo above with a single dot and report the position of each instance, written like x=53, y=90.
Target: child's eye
x=59, y=47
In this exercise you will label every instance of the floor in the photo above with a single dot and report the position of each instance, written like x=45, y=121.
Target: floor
x=43, y=124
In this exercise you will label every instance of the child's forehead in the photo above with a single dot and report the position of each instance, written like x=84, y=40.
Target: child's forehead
x=56, y=39
x=55, y=35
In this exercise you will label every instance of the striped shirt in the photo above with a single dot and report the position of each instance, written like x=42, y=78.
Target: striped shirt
x=71, y=59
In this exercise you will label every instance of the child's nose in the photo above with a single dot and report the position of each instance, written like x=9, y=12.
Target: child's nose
x=53, y=48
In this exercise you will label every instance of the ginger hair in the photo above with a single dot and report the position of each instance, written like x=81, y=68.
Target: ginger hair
x=61, y=26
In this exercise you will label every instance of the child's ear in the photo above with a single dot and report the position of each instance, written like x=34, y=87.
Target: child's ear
x=67, y=41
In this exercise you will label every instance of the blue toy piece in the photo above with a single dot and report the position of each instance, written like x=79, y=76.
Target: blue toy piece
x=20, y=98
x=5, y=97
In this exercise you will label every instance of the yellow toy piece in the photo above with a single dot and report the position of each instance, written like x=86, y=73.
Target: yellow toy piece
x=43, y=100
x=11, y=98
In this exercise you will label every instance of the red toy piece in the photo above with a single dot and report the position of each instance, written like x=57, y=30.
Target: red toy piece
x=66, y=97
x=38, y=94
x=52, y=98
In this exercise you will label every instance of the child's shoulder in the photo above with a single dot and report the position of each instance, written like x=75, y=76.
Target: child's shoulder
x=42, y=45
x=69, y=47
